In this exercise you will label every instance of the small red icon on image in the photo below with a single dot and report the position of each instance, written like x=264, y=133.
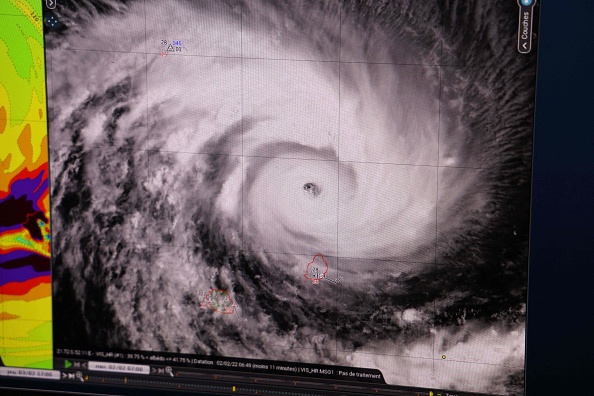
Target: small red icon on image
x=164, y=54
x=316, y=269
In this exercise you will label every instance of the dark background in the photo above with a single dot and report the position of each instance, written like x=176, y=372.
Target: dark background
x=560, y=352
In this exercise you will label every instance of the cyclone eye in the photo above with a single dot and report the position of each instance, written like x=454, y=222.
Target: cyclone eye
x=312, y=189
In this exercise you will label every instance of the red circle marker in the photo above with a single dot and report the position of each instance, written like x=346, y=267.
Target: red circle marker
x=212, y=300
x=316, y=271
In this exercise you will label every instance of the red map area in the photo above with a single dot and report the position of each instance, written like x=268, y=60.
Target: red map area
x=316, y=269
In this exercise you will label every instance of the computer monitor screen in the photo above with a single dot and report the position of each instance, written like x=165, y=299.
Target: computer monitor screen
x=266, y=197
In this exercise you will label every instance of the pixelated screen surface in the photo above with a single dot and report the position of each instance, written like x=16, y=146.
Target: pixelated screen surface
x=25, y=287
x=282, y=188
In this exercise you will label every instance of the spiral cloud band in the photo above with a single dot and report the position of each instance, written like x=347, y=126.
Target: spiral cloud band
x=223, y=145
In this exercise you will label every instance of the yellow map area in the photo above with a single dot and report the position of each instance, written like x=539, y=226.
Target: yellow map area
x=25, y=293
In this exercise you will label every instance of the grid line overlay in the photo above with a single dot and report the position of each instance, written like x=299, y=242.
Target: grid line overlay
x=321, y=160
x=259, y=156
x=437, y=200
x=244, y=156
x=148, y=153
x=50, y=118
x=338, y=160
x=242, y=135
x=343, y=62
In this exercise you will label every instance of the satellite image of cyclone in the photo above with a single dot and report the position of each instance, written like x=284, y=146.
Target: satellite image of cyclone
x=330, y=182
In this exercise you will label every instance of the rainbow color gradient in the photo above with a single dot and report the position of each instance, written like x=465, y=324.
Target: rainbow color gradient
x=25, y=275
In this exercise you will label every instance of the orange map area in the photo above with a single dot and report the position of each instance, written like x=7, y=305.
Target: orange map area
x=25, y=280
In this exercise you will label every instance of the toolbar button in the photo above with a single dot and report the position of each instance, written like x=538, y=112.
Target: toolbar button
x=29, y=373
x=525, y=25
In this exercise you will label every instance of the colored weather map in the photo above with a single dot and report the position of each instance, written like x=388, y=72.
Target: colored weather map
x=25, y=282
